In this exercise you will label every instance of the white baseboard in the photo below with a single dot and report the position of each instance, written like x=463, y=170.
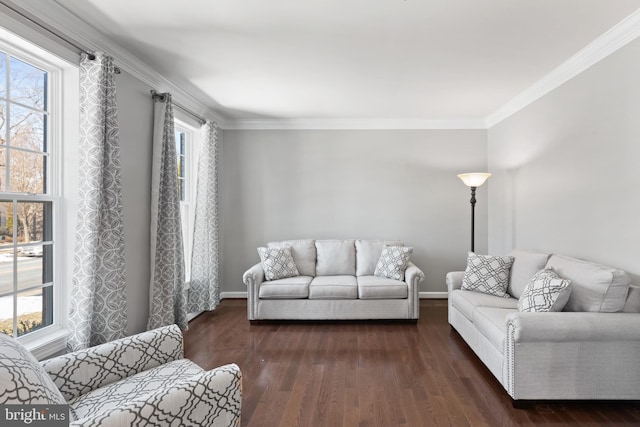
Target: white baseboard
x=423, y=295
x=433, y=295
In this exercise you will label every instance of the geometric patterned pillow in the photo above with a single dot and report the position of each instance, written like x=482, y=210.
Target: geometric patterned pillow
x=393, y=262
x=487, y=274
x=22, y=379
x=545, y=291
x=277, y=263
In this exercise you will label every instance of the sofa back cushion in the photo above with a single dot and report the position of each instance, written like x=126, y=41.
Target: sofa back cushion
x=368, y=253
x=303, y=252
x=22, y=379
x=594, y=287
x=525, y=265
x=632, y=305
x=335, y=257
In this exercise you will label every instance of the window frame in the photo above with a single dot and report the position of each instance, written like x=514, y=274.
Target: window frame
x=63, y=105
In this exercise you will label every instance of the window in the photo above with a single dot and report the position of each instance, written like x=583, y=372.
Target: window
x=26, y=196
x=181, y=157
x=186, y=146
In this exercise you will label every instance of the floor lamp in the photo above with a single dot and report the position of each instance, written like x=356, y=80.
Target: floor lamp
x=473, y=180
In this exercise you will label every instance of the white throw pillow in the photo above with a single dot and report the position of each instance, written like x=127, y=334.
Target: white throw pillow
x=546, y=291
x=487, y=274
x=393, y=262
x=277, y=263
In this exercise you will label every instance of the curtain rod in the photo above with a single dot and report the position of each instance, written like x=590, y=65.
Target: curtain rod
x=201, y=120
x=90, y=55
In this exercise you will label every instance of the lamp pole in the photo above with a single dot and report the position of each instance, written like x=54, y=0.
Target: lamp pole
x=473, y=217
x=473, y=180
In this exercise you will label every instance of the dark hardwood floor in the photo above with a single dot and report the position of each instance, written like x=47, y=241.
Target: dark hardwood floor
x=371, y=374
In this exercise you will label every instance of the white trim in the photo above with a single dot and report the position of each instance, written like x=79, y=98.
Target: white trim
x=434, y=295
x=62, y=81
x=47, y=345
x=55, y=15
x=618, y=36
x=362, y=124
x=224, y=295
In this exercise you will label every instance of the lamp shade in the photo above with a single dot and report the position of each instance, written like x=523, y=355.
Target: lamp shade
x=475, y=179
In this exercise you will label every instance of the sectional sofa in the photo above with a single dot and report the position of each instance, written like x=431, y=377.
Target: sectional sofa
x=590, y=350
x=335, y=280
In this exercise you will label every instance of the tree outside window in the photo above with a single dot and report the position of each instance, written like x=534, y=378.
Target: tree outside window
x=26, y=261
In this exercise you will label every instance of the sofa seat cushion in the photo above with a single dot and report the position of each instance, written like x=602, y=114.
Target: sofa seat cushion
x=594, y=287
x=303, y=252
x=374, y=287
x=116, y=394
x=333, y=287
x=492, y=323
x=466, y=301
x=289, y=288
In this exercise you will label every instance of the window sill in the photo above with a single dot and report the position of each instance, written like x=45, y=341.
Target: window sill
x=46, y=344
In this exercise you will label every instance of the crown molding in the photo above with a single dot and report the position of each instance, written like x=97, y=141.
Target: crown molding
x=54, y=15
x=346, y=124
x=615, y=38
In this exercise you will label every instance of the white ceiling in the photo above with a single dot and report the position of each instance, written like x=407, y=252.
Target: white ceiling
x=353, y=59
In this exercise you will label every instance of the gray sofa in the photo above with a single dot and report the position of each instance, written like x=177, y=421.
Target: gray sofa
x=336, y=281
x=590, y=350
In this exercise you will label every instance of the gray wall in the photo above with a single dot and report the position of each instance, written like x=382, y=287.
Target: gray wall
x=135, y=116
x=566, y=168
x=324, y=184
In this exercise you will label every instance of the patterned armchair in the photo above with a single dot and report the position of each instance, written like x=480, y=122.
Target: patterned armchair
x=134, y=381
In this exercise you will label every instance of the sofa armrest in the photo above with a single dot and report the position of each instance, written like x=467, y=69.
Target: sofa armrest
x=210, y=398
x=252, y=278
x=573, y=327
x=85, y=370
x=454, y=280
x=413, y=276
x=254, y=275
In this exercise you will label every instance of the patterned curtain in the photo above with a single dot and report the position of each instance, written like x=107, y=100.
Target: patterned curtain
x=204, y=290
x=166, y=294
x=98, y=311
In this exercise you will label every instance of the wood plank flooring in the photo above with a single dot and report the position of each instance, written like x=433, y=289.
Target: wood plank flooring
x=371, y=374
